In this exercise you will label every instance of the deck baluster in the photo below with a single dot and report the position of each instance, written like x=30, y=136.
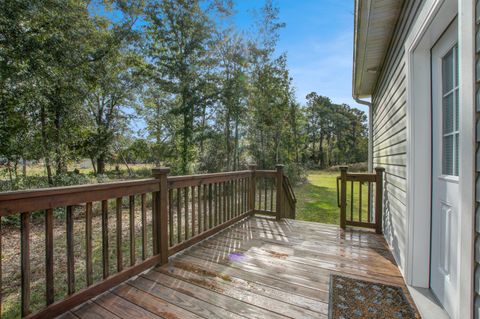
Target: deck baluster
x=104, y=238
x=143, y=199
x=119, y=227
x=70, y=253
x=88, y=243
x=279, y=181
x=49, y=293
x=25, y=262
x=199, y=202
x=132, y=229
x=170, y=216
x=179, y=217
x=351, y=201
x=193, y=211
x=185, y=194
x=251, y=197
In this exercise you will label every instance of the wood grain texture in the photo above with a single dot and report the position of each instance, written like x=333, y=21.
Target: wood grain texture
x=70, y=252
x=39, y=199
x=88, y=244
x=105, y=259
x=258, y=268
x=132, y=229
x=119, y=234
x=49, y=293
x=25, y=262
x=143, y=210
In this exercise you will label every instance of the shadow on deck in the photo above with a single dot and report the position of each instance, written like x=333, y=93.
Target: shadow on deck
x=257, y=268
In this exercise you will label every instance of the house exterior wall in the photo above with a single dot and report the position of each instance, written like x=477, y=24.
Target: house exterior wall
x=390, y=133
x=390, y=102
x=477, y=226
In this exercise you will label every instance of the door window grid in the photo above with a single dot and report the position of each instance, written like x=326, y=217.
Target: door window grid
x=450, y=108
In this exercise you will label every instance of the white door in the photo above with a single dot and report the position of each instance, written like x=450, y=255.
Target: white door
x=445, y=167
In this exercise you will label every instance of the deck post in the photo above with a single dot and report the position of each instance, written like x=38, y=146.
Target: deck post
x=160, y=213
x=279, y=207
x=343, y=196
x=251, y=193
x=378, y=199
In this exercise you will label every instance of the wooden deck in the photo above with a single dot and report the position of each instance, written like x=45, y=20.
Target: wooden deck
x=258, y=268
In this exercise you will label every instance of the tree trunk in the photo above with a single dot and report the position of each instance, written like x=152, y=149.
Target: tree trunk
x=321, y=157
x=295, y=134
x=227, y=140
x=59, y=158
x=10, y=171
x=126, y=164
x=278, y=136
x=101, y=164
x=236, y=161
x=202, y=136
x=159, y=135
x=15, y=169
x=184, y=155
x=46, y=155
x=24, y=167
x=93, y=166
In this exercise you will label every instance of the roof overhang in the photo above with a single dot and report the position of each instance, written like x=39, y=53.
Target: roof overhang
x=375, y=22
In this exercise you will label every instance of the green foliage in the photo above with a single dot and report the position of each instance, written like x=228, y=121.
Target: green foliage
x=317, y=198
x=335, y=133
x=169, y=82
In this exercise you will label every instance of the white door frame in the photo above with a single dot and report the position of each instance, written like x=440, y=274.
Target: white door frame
x=433, y=19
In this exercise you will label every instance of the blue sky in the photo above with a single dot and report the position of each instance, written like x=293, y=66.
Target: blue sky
x=318, y=39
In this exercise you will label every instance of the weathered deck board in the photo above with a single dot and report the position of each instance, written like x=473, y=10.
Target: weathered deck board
x=259, y=268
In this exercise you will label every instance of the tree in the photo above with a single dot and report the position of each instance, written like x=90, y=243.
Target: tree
x=43, y=53
x=336, y=133
x=179, y=41
x=232, y=53
x=114, y=83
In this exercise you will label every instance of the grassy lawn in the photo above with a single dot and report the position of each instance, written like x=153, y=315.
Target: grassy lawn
x=317, y=198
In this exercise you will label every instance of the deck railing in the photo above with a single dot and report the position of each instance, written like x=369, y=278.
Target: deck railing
x=358, y=207
x=154, y=219
x=290, y=201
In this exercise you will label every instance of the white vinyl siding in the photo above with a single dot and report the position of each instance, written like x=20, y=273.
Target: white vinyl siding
x=390, y=134
x=477, y=226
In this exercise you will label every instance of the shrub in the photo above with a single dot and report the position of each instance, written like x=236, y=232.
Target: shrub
x=296, y=173
x=353, y=167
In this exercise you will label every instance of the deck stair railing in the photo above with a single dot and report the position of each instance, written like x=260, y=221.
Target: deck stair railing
x=289, y=198
x=360, y=207
x=153, y=219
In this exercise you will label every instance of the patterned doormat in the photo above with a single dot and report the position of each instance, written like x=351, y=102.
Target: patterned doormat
x=353, y=298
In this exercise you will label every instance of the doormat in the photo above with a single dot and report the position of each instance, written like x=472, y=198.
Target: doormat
x=353, y=298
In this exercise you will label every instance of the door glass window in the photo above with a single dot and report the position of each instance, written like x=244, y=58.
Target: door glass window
x=450, y=108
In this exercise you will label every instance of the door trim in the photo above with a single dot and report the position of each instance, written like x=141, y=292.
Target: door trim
x=432, y=20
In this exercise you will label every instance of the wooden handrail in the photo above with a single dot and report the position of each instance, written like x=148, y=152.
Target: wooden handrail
x=289, y=188
x=265, y=173
x=289, y=195
x=373, y=218
x=49, y=198
x=196, y=180
x=184, y=210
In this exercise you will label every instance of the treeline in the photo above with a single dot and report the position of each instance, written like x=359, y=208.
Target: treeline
x=171, y=82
